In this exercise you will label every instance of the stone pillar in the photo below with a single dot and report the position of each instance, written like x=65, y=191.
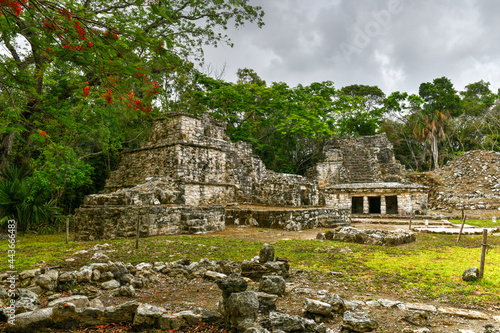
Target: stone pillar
x=366, y=205
x=383, y=208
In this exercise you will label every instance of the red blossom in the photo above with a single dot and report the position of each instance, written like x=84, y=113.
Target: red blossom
x=86, y=91
x=107, y=96
x=43, y=133
x=65, y=12
x=80, y=31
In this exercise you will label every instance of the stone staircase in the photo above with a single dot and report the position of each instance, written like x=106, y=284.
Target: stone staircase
x=358, y=163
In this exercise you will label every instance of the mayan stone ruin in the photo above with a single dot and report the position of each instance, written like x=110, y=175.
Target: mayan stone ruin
x=362, y=175
x=190, y=178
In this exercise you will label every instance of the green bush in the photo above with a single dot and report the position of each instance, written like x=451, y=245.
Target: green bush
x=31, y=208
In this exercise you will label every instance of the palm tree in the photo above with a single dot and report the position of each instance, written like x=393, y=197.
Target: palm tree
x=429, y=125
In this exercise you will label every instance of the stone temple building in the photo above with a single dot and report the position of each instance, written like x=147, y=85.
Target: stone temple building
x=362, y=174
x=190, y=178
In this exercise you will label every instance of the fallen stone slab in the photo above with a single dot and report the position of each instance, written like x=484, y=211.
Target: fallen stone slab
x=29, y=322
x=147, y=315
x=211, y=275
x=358, y=322
x=387, y=303
x=421, y=307
x=470, y=314
x=80, y=301
x=317, y=307
x=371, y=236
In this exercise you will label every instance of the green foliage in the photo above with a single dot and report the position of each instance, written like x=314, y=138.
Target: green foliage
x=444, y=123
x=361, y=110
x=28, y=206
x=82, y=78
x=285, y=125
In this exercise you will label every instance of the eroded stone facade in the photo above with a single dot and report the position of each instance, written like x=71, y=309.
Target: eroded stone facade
x=362, y=175
x=190, y=178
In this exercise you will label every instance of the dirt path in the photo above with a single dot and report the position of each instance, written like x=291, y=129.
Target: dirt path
x=272, y=235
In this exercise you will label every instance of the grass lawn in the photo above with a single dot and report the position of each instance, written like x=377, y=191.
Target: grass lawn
x=479, y=223
x=430, y=268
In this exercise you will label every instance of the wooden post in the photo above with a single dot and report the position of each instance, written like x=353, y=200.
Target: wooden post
x=411, y=215
x=462, y=227
x=137, y=236
x=67, y=230
x=484, y=246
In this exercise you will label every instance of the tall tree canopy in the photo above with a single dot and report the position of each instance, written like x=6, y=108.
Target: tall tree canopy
x=364, y=115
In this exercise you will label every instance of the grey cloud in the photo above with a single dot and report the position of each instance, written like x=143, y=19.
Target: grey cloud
x=306, y=41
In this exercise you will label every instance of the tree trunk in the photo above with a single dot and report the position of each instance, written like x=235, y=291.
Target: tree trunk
x=6, y=143
x=435, y=152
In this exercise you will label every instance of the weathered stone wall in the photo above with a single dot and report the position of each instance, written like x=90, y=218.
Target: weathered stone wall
x=287, y=219
x=109, y=222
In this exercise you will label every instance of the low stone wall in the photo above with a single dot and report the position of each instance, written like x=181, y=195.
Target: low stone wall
x=287, y=219
x=108, y=222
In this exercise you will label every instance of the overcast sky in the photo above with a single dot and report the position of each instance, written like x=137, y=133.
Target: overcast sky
x=393, y=44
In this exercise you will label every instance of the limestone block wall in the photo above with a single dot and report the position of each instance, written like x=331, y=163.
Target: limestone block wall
x=287, y=219
x=208, y=194
x=413, y=201
x=138, y=165
x=109, y=222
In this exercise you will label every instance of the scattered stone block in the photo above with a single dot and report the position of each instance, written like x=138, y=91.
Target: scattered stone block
x=273, y=284
x=285, y=322
x=241, y=309
x=358, y=322
x=317, y=307
x=79, y=301
x=211, y=275
x=266, y=253
x=417, y=318
x=336, y=302
x=470, y=274
x=111, y=284
x=148, y=315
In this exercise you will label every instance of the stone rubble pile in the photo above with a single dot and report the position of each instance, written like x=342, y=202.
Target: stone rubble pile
x=241, y=309
x=368, y=236
x=470, y=181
